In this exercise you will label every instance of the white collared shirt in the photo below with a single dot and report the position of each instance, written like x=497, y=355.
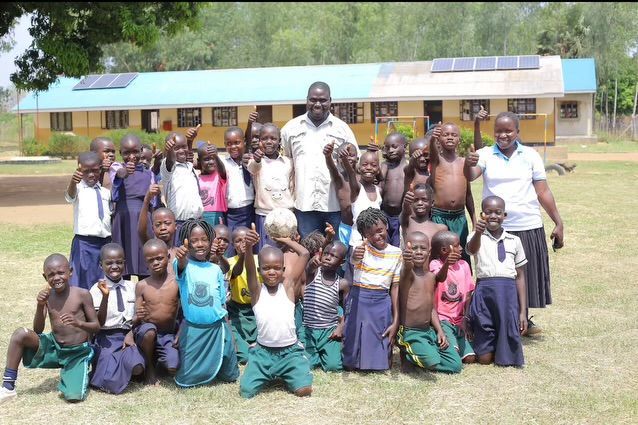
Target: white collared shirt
x=86, y=217
x=238, y=195
x=274, y=183
x=303, y=142
x=486, y=259
x=116, y=319
x=512, y=180
x=181, y=190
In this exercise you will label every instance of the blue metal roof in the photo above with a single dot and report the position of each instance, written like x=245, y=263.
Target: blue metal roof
x=253, y=86
x=579, y=75
x=272, y=86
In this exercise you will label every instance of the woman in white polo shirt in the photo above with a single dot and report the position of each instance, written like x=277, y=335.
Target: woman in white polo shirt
x=516, y=173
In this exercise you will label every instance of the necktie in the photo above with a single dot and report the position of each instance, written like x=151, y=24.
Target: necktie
x=120, y=300
x=247, y=177
x=500, y=247
x=100, y=207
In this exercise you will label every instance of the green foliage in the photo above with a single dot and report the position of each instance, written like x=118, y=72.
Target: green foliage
x=406, y=129
x=146, y=138
x=31, y=147
x=68, y=37
x=467, y=139
x=67, y=145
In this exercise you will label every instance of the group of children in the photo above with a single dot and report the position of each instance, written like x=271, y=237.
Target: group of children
x=214, y=289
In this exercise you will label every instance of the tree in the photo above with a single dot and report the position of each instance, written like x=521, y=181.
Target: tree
x=68, y=37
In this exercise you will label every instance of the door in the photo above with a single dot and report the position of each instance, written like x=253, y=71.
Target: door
x=434, y=110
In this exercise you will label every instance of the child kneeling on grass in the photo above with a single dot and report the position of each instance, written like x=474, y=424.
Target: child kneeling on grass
x=278, y=353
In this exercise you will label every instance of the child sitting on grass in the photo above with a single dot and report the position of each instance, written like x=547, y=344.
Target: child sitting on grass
x=73, y=320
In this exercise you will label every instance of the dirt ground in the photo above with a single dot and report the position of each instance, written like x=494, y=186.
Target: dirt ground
x=40, y=200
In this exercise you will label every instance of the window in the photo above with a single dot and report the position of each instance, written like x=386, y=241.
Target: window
x=569, y=109
x=189, y=117
x=61, y=121
x=224, y=117
x=384, y=109
x=298, y=109
x=115, y=119
x=469, y=108
x=150, y=120
x=350, y=113
x=522, y=107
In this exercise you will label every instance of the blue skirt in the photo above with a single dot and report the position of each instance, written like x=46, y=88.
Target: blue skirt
x=494, y=317
x=113, y=365
x=368, y=314
x=85, y=260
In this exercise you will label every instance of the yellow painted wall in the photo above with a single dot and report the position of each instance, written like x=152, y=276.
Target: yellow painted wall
x=574, y=127
x=531, y=131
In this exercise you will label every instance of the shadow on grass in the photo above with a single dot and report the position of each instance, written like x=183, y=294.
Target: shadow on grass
x=533, y=340
x=49, y=385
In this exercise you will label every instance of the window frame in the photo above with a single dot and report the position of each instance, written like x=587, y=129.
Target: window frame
x=375, y=110
x=186, y=117
x=516, y=104
x=227, y=117
x=119, y=119
x=54, y=121
x=468, y=108
x=348, y=112
x=563, y=108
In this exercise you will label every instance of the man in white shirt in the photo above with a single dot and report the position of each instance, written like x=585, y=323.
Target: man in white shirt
x=303, y=139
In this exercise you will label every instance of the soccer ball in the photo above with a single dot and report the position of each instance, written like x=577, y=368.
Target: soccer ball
x=281, y=223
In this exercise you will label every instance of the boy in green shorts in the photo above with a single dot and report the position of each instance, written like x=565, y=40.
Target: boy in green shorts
x=278, y=353
x=73, y=320
x=421, y=338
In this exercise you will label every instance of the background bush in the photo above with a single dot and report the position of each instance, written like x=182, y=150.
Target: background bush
x=146, y=138
x=67, y=145
x=467, y=138
x=31, y=147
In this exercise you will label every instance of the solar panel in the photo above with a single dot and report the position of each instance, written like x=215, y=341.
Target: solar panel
x=123, y=80
x=463, y=64
x=507, y=62
x=86, y=82
x=529, y=62
x=442, y=65
x=104, y=81
x=485, y=64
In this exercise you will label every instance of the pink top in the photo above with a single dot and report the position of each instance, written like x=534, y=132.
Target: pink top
x=450, y=295
x=212, y=190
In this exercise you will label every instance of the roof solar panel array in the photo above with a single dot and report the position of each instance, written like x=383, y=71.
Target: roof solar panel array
x=106, y=81
x=489, y=63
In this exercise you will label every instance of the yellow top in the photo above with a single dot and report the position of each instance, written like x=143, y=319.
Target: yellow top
x=239, y=291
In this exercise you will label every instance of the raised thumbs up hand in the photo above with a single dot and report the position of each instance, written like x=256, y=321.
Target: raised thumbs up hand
x=252, y=238
x=77, y=175
x=359, y=251
x=482, y=114
x=408, y=256
x=182, y=251
x=471, y=159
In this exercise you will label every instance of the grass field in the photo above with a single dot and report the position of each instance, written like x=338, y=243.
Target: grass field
x=64, y=167
x=581, y=369
x=613, y=146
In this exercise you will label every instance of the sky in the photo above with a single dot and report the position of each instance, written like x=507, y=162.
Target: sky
x=22, y=41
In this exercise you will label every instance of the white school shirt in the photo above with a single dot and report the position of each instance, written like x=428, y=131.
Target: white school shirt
x=116, y=319
x=86, y=217
x=274, y=183
x=275, y=317
x=486, y=259
x=512, y=180
x=238, y=195
x=303, y=142
x=181, y=190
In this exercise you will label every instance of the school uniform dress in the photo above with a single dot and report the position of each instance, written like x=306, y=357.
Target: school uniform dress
x=128, y=194
x=240, y=196
x=315, y=195
x=212, y=188
x=274, y=188
x=513, y=179
x=494, y=309
x=113, y=365
x=92, y=211
x=449, y=301
x=205, y=340
x=368, y=311
x=182, y=193
x=240, y=310
x=320, y=319
x=278, y=353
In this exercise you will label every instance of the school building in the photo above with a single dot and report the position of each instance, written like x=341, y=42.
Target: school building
x=554, y=97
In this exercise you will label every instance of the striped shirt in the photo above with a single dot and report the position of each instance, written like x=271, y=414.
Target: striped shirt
x=320, y=303
x=486, y=259
x=378, y=269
